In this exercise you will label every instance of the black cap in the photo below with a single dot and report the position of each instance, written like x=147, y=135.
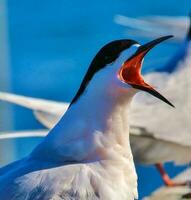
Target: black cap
x=106, y=55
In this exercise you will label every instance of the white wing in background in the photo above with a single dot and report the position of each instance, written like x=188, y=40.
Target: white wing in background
x=34, y=104
x=148, y=148
x=155, y=26
x=46, y=111
x=47, y=119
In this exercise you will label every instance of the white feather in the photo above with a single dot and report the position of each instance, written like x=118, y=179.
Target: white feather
x=87, y=155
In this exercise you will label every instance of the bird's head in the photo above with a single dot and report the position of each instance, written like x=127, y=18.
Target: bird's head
x=117, y=68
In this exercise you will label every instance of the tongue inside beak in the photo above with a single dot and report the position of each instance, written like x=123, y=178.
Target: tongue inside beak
x=130, y=71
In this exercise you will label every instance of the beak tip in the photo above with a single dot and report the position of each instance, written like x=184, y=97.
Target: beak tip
x=163, y=38
x=170, y=36
x=169, y=103
x=173, y=106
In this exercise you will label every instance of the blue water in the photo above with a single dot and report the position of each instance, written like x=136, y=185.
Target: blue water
x=53, y=42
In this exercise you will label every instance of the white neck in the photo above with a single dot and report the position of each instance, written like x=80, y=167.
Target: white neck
x=96, y=121
x=91, y=127
x=95, y=131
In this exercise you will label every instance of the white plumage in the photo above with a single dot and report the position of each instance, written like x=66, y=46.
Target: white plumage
x=87, y=154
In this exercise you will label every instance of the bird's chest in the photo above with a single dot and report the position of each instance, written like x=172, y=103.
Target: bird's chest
x=115, y=180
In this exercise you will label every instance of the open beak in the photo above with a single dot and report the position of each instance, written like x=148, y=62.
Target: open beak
x=130, y=71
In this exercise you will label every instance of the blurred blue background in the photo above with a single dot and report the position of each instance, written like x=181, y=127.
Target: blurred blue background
x=46, y=47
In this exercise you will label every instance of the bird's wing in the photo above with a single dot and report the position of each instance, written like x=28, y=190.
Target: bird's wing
x=46, y=111
x=148, y=148
x=157, y=118
x=181, y=22
x=155, y=26
x=34, y=103
x=33, y=179
x=48, y=119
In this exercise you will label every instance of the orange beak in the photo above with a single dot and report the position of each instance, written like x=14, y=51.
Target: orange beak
x=130, y=71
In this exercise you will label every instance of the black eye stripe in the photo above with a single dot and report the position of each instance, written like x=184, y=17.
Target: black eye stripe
x=107, y=54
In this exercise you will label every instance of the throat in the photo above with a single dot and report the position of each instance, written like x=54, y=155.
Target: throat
x=94, y=128
x=111, y=137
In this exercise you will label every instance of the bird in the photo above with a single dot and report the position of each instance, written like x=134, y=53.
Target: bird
x=157, y=146
x=144, y=136
x=87, y=154
x=149, y=146
x=49, y=113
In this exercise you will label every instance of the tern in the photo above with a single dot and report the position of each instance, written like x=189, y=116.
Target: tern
x=87, y=154
x=157, y=146
x=149, y=146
